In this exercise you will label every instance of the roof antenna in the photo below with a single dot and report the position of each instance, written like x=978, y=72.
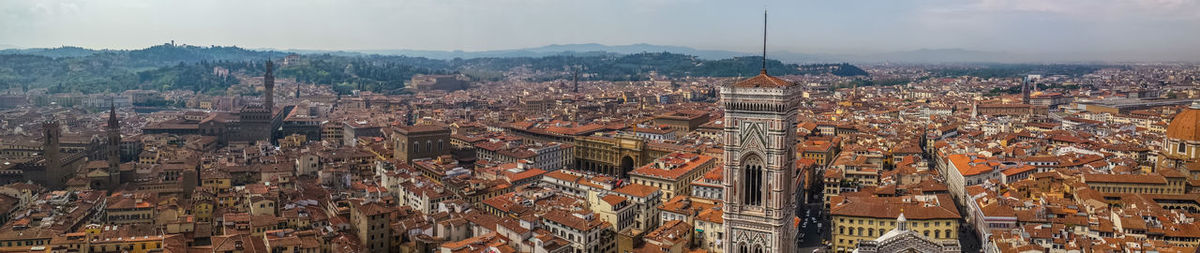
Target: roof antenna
x=764, y=58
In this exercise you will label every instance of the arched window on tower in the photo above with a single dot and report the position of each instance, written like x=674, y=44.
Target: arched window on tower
x=752, y=181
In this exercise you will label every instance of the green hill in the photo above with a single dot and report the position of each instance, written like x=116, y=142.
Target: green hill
x=168, y=66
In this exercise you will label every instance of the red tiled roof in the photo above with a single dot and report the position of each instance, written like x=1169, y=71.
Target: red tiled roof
x=763, y=80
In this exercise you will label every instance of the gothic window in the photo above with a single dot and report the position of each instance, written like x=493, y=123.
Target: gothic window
x=1182, y=148
x=752, y=181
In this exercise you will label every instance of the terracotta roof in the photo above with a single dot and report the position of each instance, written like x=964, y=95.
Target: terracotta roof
x=763, y=80
x=713, y=215
x=637, y=190
x=1130, y=179
x=672, y=166
x=1018, y=170
x=613, y=199
x=674, y=231
x=939, y=206
x=575, y=222
x=967, y=167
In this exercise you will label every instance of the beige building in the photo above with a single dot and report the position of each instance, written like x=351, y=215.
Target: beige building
x=371, y=222
x=584, y=231
x=612, y=208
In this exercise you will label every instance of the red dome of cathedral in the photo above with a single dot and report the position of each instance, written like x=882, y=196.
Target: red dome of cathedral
x=1186, y=125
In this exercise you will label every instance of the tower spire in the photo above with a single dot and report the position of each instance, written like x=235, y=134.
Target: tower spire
x=113, y=148
x=764, y=52
x=112, y=114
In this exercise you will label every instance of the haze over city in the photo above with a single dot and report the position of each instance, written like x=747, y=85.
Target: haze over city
x=617, y=126
x=1027, y=30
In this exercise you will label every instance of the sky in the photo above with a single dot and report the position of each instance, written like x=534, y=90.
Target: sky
x=1119, y=29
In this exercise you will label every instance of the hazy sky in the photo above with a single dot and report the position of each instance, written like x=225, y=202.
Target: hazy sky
x=1105, y=27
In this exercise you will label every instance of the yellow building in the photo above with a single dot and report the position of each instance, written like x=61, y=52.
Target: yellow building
x=130, y=208
x=292, y=141
x=673, y=173
x=866, y=218
x=99, y=238
x=817, y=150
x=133, y=244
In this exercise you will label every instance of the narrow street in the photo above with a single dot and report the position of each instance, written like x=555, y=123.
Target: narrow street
x=814, y=222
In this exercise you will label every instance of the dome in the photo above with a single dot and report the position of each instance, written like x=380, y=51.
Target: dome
x=1186, y=125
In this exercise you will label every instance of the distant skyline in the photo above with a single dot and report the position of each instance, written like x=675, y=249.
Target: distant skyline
x=1119, y=30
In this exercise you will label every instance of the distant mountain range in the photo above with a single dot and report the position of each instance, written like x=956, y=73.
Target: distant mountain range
x=53, y=52
x=593, y=49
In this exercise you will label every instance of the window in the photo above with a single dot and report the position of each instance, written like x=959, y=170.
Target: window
x=1181, y=148
x=752, y=183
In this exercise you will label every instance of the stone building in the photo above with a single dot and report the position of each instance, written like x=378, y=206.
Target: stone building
x=760, y=137
x=416, y=142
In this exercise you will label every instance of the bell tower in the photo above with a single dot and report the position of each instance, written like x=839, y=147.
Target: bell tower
x=114, y=148
x=760, y=158
x=55, y=173
x=269, y=87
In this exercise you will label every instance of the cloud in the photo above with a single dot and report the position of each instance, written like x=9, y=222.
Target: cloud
x=1098, y=10
x=1135, y=26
